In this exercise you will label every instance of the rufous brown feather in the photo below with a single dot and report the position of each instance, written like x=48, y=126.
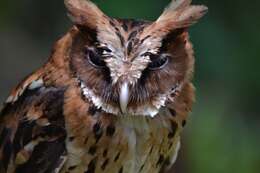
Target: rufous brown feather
x=113, y=97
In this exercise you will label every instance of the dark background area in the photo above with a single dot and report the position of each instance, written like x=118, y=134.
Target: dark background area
x=222, y=135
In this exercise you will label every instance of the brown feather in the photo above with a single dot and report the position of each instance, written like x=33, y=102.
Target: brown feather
x=85, y=13
x=66, y=116
x=179, y=14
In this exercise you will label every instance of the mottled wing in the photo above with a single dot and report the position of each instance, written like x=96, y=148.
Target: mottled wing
x=32, y=130
x=179, y=109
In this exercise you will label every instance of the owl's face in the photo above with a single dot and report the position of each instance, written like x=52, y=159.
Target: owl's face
x=131, y=67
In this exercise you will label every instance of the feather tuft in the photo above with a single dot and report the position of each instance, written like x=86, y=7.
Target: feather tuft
x=84, y=13
x=172, y=8
x=180, y=13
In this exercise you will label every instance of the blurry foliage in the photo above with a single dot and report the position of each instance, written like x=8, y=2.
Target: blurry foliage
x=223, y=132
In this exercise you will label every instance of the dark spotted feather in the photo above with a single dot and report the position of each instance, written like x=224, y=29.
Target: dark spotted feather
x=33, y=132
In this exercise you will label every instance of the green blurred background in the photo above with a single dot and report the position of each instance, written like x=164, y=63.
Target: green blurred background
x=222, y=135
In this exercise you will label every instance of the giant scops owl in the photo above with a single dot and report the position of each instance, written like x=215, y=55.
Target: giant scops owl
x=112, y=98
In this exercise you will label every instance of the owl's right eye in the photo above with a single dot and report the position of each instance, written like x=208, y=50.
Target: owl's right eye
x=95, y=59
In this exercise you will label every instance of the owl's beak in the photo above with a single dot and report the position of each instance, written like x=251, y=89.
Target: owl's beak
x=124, y=97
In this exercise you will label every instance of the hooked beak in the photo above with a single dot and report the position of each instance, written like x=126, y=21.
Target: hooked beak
x=124, y=97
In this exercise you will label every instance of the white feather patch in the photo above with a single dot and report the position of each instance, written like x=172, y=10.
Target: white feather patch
x=174, y=158
x=36, y=84
x=149, y=110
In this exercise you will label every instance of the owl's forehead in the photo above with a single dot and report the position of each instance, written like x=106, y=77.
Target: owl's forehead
x=125, y=38
x=131, y=25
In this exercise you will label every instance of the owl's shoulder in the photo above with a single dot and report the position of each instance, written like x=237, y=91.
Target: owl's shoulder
x=31, y=120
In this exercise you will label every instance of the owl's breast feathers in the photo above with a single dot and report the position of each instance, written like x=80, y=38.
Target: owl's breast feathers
x=47, y=126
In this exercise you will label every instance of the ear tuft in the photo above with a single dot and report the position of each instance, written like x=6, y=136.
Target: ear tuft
x=84, y=13
x=170, y=11
x=191, y=15
x=181, y=13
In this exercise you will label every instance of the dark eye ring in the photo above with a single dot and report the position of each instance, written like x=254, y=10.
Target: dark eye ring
x=95, y=59
x=158, y=63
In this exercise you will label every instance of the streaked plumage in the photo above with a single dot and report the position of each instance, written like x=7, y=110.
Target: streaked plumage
x=112, y=98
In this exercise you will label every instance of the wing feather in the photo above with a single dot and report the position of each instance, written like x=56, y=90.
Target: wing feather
x=32, y=129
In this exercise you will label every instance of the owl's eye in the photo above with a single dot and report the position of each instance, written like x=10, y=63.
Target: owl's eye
x=95, y=59
x=158, y=62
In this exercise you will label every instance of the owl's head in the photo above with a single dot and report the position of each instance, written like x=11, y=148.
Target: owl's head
x=132, y=67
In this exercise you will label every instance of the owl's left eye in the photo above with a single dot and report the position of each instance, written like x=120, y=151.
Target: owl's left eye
x=95, y=59
x=158, y=62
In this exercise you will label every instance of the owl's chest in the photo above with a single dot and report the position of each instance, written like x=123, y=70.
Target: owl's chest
x=123, y=145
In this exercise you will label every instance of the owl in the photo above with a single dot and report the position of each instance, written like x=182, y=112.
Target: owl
x=113, y=97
